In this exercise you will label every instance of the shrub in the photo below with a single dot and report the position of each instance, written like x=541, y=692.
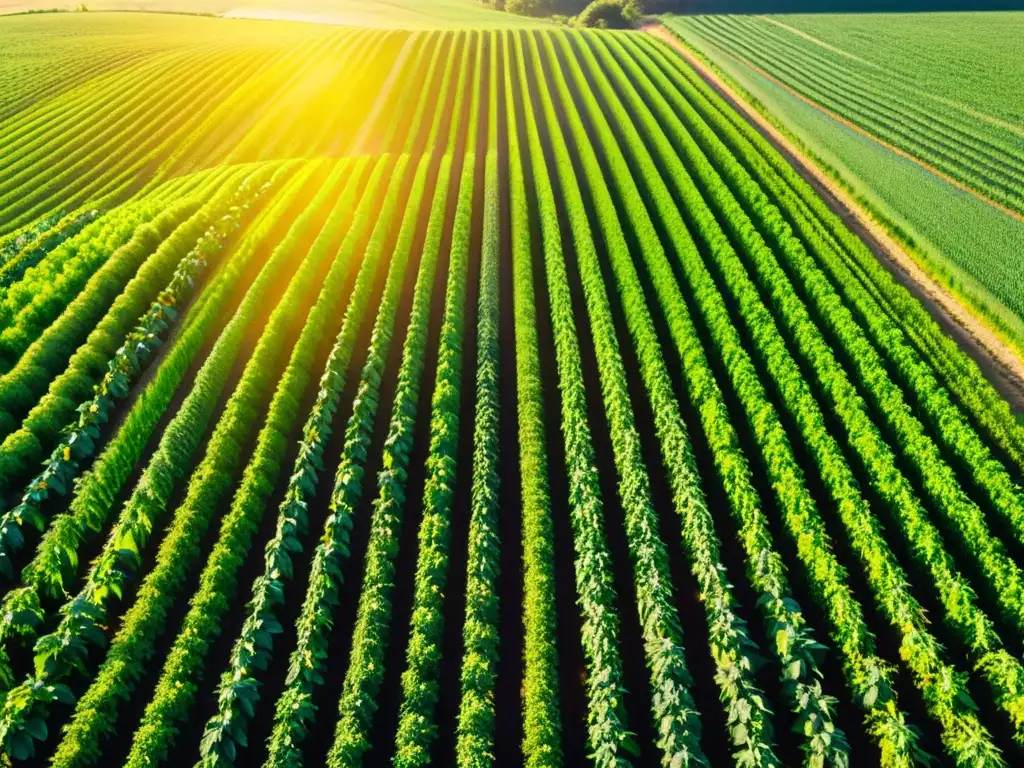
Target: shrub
x=609, y=14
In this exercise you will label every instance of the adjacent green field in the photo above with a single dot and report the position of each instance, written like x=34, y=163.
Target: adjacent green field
x=530, y=410
x=962, y=57
x=401, y=14
x=963, y=241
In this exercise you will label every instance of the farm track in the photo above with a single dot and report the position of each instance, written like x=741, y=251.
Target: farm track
x=560, y=428
x=1001, y=364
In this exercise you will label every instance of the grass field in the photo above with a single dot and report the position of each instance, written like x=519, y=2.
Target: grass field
x=966, y=243
x=473, y=397
x=402, y=14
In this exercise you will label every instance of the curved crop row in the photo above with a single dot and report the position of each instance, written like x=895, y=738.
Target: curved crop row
x=294, y=710
x=32, y=245
x=175, y=691
x=867, y=675
x=96, y=715
x=958, y=371
x=115, y=349
x=67, y=647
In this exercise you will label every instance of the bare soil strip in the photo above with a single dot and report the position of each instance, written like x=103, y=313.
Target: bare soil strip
x=999, y=362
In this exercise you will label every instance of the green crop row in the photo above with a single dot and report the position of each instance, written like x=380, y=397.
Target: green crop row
x=609, y=740
x=421, y=687
x=542, y=726
x=946, y=695
x=58, y=553
x=83, y=617
x=480, y=637
x=29, y=247
x=963, y=614
x=115, y=350
x=175, y=691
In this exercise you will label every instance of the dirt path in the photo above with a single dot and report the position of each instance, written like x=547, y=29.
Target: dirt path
x=1000, y=364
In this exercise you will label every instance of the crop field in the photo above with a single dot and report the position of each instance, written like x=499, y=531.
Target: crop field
x=507, y=401
x=933, y=88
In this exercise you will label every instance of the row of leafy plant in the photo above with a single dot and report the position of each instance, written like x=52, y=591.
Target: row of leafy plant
x=1004, y=673
x=28, y=306
x=124, y=348
x=610, y=741
x=734, y=652
x=948, y=424
x=945, y=690
x=56, y=557
x=941, y=486
x=82, y=617
x=33, y=244
x=794, y=646
x=868, y=676
x=480, y=633
x=542, y=726
x=59, y=377
x=421, y=685
x=294, y=709
x=238, y=690
x=57, y=554
x=360, y=422
x=289, y=727
x=97, y=713
x=371, y=634
x=958, y=372
x=174, y=696
x=674, y=712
